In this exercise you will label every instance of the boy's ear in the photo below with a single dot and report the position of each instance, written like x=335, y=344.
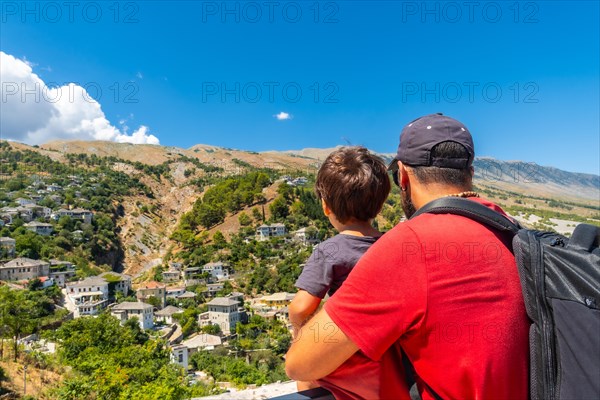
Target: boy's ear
x=326, y=209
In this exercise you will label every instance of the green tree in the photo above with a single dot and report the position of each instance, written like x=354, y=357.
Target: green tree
x=34, y=284
x=279, y=208
x=257, y=215
x=210, y=215
x=154, y=301
x=211, y=329
x=17, y=315
x=244, y=219
x=188, y=320
x=219, y=240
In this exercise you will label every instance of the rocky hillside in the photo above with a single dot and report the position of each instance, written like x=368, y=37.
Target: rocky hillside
x=147, y=223
x=514, y=176
x=155, y=155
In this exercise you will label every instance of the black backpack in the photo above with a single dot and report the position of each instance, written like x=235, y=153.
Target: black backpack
x=560, y=278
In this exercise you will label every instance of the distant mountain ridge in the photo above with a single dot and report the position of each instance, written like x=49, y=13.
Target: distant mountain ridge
x=515, y=176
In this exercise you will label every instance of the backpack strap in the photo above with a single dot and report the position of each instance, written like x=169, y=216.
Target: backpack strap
x=585, y=237
x=470, y=209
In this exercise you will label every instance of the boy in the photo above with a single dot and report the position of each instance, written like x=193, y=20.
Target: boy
x=352, y=185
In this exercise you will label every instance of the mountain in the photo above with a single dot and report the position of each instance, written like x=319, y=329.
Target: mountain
x=512, y=176
x=155, y=154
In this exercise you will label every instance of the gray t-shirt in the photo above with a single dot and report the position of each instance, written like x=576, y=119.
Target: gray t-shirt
x=331, y=262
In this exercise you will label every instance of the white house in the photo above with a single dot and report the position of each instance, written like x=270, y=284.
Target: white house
x=202, y=341
x=166, y=314
x=122, y=282
x=129, y=309
x=277, y=300
x=264, y=232
x=25, y=213
x=76, y=213
x=306, y=236
x=224, y=312
x=39, y=211
x=86, y=297
x=10, y=213
x=283, y=315
x=179, y=355
x=46, y=281
x=171, y=275
x=61, y=272
x=186, y=295
x=23, y=202
x=62, y=277
x=174, y=292
x=23, y=268
x=217, y=270
x=213, y=288
x=301, y=181
x=41, y=228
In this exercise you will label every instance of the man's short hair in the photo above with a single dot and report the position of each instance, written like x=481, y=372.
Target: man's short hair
x=354, y=183
x=460, y=178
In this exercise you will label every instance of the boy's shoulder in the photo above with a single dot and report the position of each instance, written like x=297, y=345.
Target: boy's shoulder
x=349, y=239
x=345, y=246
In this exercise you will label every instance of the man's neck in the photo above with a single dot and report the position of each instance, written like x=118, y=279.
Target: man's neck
x=423, y=195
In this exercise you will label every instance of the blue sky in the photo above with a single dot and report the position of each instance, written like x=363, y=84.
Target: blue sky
x=523, y=76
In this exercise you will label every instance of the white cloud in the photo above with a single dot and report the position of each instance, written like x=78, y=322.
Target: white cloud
x=35, y=113
x=282, y=116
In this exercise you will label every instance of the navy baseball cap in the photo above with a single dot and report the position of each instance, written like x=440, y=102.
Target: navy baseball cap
x=423, y=134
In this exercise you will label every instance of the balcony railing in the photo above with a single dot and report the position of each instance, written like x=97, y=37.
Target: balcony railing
x=315, y=394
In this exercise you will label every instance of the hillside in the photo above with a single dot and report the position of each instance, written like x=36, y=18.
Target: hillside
x=155, y=155
x=515, y=176
x=177, y=177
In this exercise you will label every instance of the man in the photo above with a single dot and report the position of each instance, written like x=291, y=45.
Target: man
x=442, y=288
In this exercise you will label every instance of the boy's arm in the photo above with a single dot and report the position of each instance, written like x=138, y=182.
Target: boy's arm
x=301, y=308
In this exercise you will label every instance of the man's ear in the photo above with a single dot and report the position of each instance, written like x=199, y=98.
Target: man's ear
x=326, y=209
x=472, y=170
x=403, y=176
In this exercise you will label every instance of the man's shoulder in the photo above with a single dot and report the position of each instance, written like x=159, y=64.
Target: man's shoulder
x=448, y=225
x=488, y=204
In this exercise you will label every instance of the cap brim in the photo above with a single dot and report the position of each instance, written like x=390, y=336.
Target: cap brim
x=393, y=166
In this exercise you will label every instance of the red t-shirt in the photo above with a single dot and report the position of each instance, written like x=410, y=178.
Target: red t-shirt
x=446, y=289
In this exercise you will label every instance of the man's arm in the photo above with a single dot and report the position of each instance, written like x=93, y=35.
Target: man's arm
x=302, y=307
x=319, y=349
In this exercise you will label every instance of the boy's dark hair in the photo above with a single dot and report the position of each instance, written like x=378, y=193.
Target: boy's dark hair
x=354, y=184
x=460, y=178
